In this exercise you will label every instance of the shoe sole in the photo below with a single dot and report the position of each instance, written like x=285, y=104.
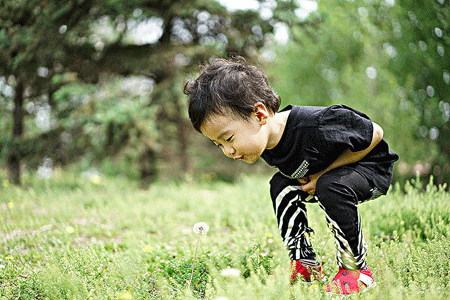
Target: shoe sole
x=343, y=296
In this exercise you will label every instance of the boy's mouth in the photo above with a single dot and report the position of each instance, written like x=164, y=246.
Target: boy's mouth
x=240, y=158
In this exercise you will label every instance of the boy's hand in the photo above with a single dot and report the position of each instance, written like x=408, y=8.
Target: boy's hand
x=303, y=180
x=309, y=183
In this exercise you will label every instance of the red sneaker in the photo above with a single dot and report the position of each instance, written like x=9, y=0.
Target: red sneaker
x=350, y=281
x=309, y=273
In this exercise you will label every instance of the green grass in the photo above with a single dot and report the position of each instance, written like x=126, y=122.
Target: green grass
x=71, y=238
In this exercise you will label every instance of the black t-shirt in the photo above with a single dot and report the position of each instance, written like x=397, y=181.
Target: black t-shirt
x=314, y=137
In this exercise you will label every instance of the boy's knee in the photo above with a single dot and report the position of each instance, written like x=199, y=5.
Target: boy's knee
x=329, y=190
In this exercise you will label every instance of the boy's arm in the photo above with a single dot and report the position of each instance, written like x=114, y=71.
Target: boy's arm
x=347, y=157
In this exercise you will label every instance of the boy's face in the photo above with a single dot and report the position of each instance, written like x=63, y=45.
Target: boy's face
x=239, y=139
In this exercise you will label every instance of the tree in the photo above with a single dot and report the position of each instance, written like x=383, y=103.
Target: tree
x=419, y=37
x=368, y=55
x=56, y=45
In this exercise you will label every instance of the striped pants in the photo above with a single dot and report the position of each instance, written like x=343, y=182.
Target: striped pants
x=338, y=193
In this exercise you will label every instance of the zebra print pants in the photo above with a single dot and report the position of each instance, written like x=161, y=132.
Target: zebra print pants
x=338, y=193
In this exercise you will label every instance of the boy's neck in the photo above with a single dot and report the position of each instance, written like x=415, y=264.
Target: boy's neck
x=277, y=124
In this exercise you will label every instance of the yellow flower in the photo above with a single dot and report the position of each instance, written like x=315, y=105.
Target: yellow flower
x=5, y=183
x=10, y=205
x=269, y=235
x=95, y=179
x=148, y=249
x=313, y=286
x=9, y=257
x=125, y=295
x=70, y=229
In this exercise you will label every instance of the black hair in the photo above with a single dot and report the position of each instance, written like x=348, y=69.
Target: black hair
x=228, y=85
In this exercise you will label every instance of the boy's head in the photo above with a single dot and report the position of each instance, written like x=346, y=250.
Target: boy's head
x=228, y=86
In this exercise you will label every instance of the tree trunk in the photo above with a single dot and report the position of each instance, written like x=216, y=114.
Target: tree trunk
x=14, y=155
x=182, y=138
x=148, y=168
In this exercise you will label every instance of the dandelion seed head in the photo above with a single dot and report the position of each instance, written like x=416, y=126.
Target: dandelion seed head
x=201, y=228
x=371, y=72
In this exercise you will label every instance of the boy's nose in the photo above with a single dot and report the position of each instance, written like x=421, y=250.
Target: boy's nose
x=229, y=151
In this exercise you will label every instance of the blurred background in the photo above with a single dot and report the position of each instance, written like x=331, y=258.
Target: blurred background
x=95, y=86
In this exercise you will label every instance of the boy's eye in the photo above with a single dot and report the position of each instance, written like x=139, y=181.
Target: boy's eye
x=230, y=138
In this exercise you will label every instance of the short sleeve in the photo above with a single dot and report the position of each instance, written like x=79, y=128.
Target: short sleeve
x=346, y=126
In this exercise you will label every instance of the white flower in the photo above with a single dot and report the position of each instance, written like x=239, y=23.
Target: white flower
x=201, y=228
x=230, y=272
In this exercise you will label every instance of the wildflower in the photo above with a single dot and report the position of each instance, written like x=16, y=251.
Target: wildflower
x=93, y=176
x=125, y=295
x=269, y=235
x=70, y=229
x=148, y=249
x=10, y=205
x=201, y=228
x=45, y=171
x=95, y=179
x=313, y=286
x=230, y=272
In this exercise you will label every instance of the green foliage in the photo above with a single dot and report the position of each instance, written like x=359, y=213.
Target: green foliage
x=179, y=274
x=363, y=55
x=418, y=218
x=256, y=261
x=64, y=53
x=68, y=237
x=423, y=58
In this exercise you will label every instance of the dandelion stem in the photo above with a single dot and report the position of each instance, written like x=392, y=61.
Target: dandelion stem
x=193, y=264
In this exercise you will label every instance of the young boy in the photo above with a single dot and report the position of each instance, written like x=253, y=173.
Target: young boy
x=335, y=156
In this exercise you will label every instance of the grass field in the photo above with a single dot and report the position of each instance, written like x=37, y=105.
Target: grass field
x=71, y=237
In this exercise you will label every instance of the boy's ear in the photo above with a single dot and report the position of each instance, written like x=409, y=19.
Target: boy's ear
x=261, y=113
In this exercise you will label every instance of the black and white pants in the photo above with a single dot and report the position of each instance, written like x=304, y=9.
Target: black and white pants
x=338, y=193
